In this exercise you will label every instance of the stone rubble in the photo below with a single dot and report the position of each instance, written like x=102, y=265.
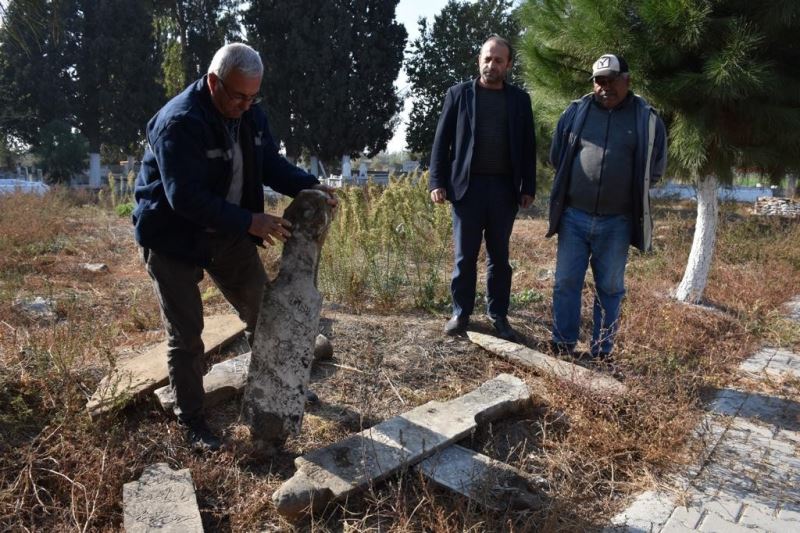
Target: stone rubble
x=782, y=207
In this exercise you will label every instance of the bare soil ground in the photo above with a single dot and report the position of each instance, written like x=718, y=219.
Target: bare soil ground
x=59, y=471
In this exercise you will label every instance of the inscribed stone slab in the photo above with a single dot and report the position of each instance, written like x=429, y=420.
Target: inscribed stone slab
x=563, y=370
x=280, y=366
x=351, y=465
x=142, y=373
x=161, y=500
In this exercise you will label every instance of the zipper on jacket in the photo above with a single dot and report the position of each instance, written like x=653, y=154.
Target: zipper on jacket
x=603, y=162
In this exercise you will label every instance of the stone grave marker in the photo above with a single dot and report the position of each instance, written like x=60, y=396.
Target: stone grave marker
x=228, y=378
x=280, y=365
x=140, y=374
x=351, y=465
x=161, y=500
x=562, y=370
x=493, y=484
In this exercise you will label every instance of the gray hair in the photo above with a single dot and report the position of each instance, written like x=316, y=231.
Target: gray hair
x=236, y=56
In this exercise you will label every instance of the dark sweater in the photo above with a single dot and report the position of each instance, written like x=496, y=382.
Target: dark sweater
x=601, y=181
x=491, y=154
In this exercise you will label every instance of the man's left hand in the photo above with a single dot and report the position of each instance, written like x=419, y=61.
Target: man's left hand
x=525, y=201
x=330, y=191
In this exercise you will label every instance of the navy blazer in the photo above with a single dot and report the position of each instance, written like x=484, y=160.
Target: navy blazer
x=451, y=155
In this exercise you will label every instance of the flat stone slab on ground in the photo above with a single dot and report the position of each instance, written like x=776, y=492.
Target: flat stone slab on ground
x=353, y=464
x=563, y=370
x=161, y=500
x=224, y=381
x=491, y=483
x=142, y=373
x=228, y=378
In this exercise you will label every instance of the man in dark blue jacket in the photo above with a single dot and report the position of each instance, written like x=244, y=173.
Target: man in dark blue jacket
x=609, y=146
x=483, y=161
x=200, y=205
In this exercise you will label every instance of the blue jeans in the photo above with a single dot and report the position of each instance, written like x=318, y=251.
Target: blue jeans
x=602, y=241
x=486, y=212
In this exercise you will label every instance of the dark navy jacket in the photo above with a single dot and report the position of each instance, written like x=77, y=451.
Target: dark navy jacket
x=451, y=155
x=186, y=171
x=562, y=154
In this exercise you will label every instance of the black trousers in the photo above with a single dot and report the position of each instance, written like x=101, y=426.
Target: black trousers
x=237, y=271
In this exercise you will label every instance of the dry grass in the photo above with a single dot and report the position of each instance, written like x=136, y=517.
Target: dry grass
x=60, y=472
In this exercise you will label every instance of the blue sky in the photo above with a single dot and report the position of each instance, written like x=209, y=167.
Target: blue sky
x=408, y=12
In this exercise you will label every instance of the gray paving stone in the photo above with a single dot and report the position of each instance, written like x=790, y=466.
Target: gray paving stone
x=223, y=381
x=648, y=512
x=763, y=519
x=727, y=509
x=351, y=465
x=790, y=513
x=713, y=523
x=161, y=500
x=683, y=518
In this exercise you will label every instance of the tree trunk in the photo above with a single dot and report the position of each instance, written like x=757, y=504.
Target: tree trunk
x=347, y=171
x=314, y=166
x=705, y=234
x=791, y=185
x=95, y=180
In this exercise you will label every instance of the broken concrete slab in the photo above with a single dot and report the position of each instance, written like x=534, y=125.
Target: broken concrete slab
x=491, y=483
x=280, y=366
x=224, y=381
x=227, y=379
x=140, y=374
x=562, y=370
x=353, y=464
x=161, y=500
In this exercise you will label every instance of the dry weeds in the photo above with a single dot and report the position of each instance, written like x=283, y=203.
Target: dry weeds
x=60, y=472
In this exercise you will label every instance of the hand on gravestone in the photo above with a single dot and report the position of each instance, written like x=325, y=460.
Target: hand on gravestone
x=330, y=191
x=269, y=226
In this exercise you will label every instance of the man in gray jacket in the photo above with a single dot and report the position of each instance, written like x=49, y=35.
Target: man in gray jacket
x=607, y=149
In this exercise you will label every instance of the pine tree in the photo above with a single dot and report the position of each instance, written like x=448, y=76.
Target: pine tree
x=446, y=53
x=724, y=73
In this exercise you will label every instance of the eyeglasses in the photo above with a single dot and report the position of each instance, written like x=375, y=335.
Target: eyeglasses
x=605, y=80
x=249, y=99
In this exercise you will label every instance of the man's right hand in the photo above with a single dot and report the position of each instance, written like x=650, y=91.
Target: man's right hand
x=439, y=195
x=269, y=226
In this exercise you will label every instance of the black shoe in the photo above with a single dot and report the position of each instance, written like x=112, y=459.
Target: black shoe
x=457, y=325
x=200, y=436
x=561, y=349
x=311, y=396
x=504, y=329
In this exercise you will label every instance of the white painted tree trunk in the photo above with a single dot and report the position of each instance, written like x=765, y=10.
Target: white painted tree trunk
x=362, y=171
x=95, y=180
x=705, y=235
x=314, y=166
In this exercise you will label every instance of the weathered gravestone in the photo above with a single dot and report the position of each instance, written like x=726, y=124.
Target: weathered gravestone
x=491, y=483
x=139, y=374
x=562, y=370
x=351, y=465
x=280, y=365
x=161, y=500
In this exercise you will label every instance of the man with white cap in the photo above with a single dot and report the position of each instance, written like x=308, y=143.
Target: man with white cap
x=609, y=146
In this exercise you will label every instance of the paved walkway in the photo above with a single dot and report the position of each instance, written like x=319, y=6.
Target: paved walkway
x=748, y=475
